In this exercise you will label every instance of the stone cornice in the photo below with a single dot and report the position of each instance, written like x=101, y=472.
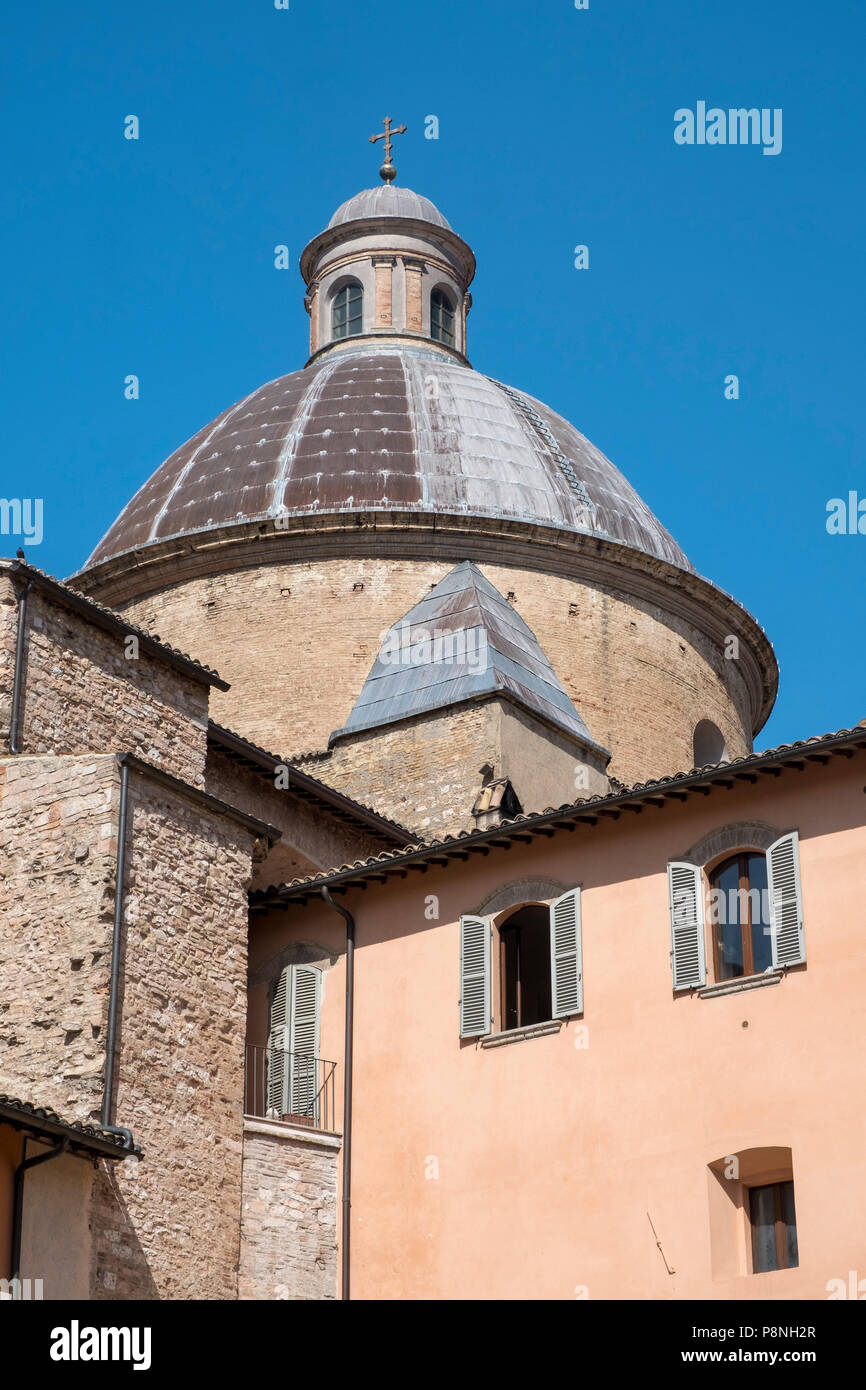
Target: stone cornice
x=449, y=242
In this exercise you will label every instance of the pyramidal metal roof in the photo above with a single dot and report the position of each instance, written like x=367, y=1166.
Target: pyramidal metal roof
x=462, y=642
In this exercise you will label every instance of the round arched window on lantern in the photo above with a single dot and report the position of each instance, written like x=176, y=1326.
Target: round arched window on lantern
x=347, y=311
x=708, y=744
x=441, y=318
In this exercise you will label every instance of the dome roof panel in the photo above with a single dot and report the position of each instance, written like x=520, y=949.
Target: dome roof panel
x=389, y=200
x=396, y=428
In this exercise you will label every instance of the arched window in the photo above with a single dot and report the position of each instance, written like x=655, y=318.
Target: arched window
x=740, y=916
x=708, y=744
x=540, y=969
x=347, y=311
x=441, y=318
x=754, y=911
x=524, y=957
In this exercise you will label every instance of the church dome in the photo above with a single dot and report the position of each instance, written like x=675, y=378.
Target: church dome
x=289, y=533
x=389, y=200
x=375, y=427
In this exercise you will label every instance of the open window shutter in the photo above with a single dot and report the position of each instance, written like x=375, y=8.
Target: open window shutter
x=686, y=890
x=474, y=977
x=304, y=1040
x=278, y=1045
x=566, y=955
x=786, y=902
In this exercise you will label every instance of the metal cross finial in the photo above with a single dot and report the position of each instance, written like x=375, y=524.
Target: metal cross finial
x=387, y=171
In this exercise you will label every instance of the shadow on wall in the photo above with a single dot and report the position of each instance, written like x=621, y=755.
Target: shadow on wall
x=119, y=1265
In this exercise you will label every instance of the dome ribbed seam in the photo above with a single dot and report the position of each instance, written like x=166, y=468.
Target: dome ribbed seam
x=549, y=439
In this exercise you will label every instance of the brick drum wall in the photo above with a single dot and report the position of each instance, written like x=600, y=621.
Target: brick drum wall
x=80, y=692
x=289, y=1224
x=298, y=640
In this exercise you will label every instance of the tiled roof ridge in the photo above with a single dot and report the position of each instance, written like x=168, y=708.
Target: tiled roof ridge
x=44, y=1112
x=598, y=801
x=63, y=589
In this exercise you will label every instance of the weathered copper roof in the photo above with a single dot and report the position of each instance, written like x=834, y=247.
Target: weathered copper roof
x=401, y=427
x=388, y=200
x=463, y=641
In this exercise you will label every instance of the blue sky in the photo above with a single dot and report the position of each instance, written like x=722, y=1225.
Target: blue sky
x=155, y=256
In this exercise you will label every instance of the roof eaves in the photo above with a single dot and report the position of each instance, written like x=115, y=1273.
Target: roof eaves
x=111, y=621
x=259, y=828
x=305, y=785
x=677, y=786
x=46, y=1123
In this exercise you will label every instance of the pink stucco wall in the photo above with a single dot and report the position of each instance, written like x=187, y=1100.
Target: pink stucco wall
x=551, y=1154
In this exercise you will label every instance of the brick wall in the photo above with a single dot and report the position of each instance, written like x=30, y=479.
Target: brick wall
x=427, y=772
x=81, y=693
x=312, y=838
x=289, y=1226
x=298, y=640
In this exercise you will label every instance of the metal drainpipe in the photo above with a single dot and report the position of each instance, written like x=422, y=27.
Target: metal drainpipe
x=18, y=1207
x=346, y=1231
x=111, y=1043
x=17, y=682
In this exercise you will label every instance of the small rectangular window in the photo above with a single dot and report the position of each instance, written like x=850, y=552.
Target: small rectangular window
x=774, y=1227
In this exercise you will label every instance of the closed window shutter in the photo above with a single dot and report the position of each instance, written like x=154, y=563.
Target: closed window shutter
x=304, y=1040
x=278, y=1044
x=786, y=903
x=686, y=892
x=474, y=976
x=566, y=955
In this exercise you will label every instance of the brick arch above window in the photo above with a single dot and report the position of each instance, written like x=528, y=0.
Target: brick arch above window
x=519, y=893
x=727, y=839
x=298, y=953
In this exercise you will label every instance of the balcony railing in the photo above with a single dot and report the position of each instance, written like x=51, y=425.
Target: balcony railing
x=292, y=1086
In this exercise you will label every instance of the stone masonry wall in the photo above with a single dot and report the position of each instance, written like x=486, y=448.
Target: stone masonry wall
x=82, y=694
x=58, y=848
x=168, y=1227
x=297, y=642
x=312, y=839
x=289, y=1227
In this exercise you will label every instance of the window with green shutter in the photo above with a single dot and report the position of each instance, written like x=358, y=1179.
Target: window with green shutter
x=293, y=1044
x=540, y=967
